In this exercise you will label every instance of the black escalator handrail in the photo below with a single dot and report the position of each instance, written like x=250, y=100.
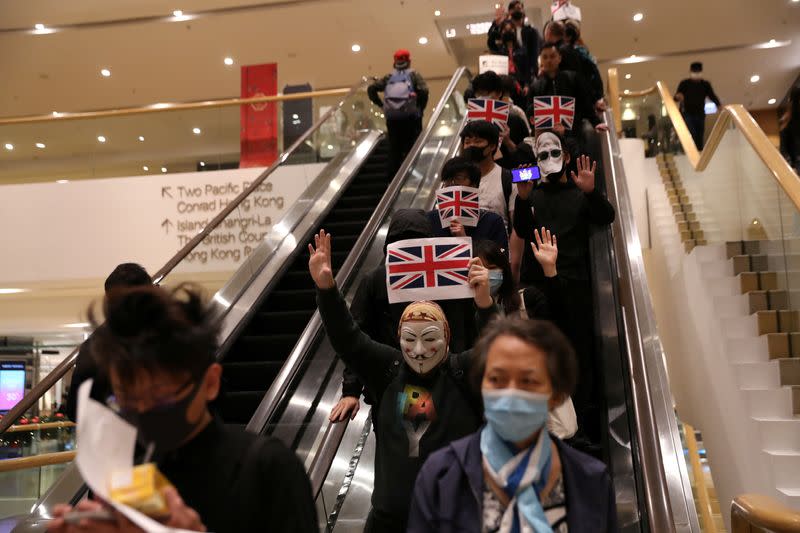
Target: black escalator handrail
x=280, y=385
x=62, y=368
x=661, y=454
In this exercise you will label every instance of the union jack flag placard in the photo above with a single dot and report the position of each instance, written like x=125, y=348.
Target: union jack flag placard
x=428, y=269
x=551, y=110
x=493, y=111
x=458, y=203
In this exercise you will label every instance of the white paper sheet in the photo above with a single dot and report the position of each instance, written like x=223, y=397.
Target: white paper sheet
x=428, y=269
x=498, y=64
x=105, y=445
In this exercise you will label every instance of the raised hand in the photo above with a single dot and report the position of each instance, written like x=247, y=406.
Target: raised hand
x=524, y=189
x=545, y=249
x=457, y=229
x=319, y=264
x=585, y=177
x=479, y=281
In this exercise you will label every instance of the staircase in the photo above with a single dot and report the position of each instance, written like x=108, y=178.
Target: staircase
x=258, y=354
x=762, y=329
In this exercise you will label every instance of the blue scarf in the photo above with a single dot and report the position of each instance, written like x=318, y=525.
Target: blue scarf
x=522, y=476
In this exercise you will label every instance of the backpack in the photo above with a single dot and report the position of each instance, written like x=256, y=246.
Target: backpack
x=399, y=97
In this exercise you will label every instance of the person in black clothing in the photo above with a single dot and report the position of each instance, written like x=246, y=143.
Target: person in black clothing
x=568, y=208
x=405, y=96
x=460, y=171
x=159, y=348
x=526, y=37
x=572, y=59
x=124, y=275
x=692, y=94
x=422, y=399
x=489, y=85
x=555, y=81
x=790, y=130
x=378, y=318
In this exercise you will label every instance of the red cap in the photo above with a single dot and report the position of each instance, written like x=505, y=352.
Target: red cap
x=402, y=55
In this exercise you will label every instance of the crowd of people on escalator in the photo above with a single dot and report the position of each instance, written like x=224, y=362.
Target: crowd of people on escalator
x=488, y=411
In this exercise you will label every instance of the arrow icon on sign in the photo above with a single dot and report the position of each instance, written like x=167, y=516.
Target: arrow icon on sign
x=165, y=192
x=166, y=224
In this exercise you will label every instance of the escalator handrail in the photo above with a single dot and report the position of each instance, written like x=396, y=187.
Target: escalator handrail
x=63, y=367
x=272, y=398
x=735, y=114
x=661, y=453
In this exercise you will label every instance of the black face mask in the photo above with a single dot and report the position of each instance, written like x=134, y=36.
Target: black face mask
x=474, y=153
x=164, y=426
x=517, y=15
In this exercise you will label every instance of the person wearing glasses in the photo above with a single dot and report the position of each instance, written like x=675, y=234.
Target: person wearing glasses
x=566, y=202
x=158, y=349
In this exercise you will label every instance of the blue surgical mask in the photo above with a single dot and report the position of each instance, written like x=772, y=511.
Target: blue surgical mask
x=515, y=414
x=495, y=281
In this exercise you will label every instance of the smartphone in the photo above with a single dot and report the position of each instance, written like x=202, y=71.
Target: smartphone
x=525, y=174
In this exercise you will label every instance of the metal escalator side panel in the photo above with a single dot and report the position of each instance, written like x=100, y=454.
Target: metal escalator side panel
x=668, y=499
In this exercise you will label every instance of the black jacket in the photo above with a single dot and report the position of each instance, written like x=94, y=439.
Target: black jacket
x=568, y=213
x=236, y=480
x=417, y=415
x=417, y=81
x=568, y=83
x=694, y=94
x=573, y=60
x=86, y=368
x=490, y=228
x=530, y=44
x=790, y=143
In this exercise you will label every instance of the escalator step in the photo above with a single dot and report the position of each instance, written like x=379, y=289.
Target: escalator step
x=296, y=279
x=292, y=300
x=250, y=375
x=266, y=347
x=238, y=407
x=343, y=227
x=367, y=200
x=280, y=321
x=355, y=213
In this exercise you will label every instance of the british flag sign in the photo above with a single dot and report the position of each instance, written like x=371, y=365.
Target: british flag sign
x=458, y=203
x=493, y=111
x=551, y=110
x=428, y=269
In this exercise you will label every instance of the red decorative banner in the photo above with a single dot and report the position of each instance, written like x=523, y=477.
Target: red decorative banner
x=259, y=129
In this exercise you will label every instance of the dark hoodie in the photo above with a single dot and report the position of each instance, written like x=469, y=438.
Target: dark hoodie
x=379, y=319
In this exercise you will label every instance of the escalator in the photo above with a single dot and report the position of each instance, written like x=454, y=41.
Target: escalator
x=281, y=376
x=261, y=349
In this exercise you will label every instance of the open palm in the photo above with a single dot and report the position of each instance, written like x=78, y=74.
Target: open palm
x=319, y=264
x=545, y=249
x=585, y=177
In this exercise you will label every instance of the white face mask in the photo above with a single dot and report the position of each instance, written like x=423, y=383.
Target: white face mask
x=423, y=345
x=695, y=75
x=547, y=142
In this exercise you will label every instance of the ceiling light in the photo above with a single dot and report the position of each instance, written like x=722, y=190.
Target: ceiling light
x=163, y=170
x=228, y=61
x=105, y=72
x=450, y=33
x=62, y=182
x=12, y=291
x=356, y=48
x=627, y=76
x=626, y=91
x=773, y=41
x=141, y=138
x=40, y=145
x=55, y=113
x=177, y=13
x=437, y=13
x=423, y=40
x=9, y=146
x=145, y=168
x=39, y=27
x=638, y=17
x=101, y=138
x=755, y=78
x=479, y=28
x=77, y=325
x=772, y=101
x=197, y=131
x=202, y=163
x=633, y=56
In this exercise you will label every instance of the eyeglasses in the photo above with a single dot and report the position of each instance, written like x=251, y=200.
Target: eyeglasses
x=542, y=156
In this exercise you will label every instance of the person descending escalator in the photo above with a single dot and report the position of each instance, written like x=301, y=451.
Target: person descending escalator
x=159, y=348
x=405, y=95
x=691, y=95
x=422, y=397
